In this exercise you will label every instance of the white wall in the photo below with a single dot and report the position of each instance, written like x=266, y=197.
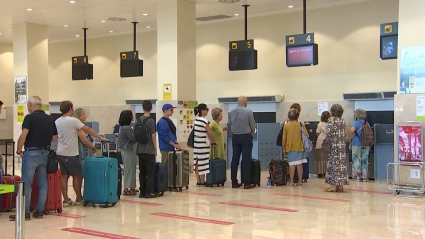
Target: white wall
x=6, y=74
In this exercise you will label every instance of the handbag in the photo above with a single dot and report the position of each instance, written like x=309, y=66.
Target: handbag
x=191, y=139
x=52, y=163
x=326, y=146
x=308, y=145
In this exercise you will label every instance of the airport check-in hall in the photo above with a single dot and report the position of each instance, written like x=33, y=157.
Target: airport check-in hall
x=231, y=119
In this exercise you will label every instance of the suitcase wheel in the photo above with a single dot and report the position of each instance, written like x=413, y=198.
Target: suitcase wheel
x=85, y=204
x=113, y=204
x=59, y=210
x=106, y=205
x=187, y=187
x=222, y=184
x=46, y=212
x=304, y=180
x=180, y=189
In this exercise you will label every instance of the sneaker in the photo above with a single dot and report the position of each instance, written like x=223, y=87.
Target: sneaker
x=38, y=215
x=151, y=195
x=68, y=204
x=27, y=217
x=79, y=203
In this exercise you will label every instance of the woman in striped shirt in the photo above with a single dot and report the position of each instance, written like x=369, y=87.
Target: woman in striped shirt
x=201, y=150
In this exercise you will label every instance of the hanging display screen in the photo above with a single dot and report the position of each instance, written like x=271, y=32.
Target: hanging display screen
x=302, y=55
x=242, y=60
x=389, y=46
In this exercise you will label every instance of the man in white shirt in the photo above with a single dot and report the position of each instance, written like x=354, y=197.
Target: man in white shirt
x=67, y=152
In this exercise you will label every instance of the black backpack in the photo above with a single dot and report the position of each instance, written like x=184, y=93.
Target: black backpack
x=141, y=131
x=280, y=135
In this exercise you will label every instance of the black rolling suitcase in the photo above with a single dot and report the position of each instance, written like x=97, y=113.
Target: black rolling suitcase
x=161, y=178
x=255, y=172
x=306, y=172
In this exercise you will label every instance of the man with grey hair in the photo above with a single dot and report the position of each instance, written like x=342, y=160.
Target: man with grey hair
x=242, y=124
x=38, y=131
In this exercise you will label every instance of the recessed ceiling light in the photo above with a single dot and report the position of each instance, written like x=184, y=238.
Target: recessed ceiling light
x=145, y=14
x=236, y=14
x=10, y=30
x=290, y=6
x=72, y=1
x=111, y=31
x=30, y=9
x=148, y=27
x=65, y=25
x=103, y=21
x=1, y=33
x=77, y=35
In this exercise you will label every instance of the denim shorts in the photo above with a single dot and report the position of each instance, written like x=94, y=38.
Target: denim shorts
x=70, y=165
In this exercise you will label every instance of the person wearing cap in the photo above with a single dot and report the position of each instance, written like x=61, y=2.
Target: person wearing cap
x=167, y=133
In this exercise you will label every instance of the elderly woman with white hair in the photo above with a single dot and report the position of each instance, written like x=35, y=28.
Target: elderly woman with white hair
x=86, y=147
x=217, y=152
x=360, y=152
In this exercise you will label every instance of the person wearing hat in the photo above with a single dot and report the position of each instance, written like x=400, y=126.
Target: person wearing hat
x=167, y=133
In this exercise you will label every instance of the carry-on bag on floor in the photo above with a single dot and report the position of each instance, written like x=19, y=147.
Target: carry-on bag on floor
x=178, y=170
x=54, y=193
x=9, y=199
x=278, y=169
x=113, y=148
x=306, y=172
x=161, y=178
x=217, y=175
x=255, y=172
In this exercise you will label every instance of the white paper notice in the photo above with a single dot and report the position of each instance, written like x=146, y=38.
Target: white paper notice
x=420, y=107
x=322, y=107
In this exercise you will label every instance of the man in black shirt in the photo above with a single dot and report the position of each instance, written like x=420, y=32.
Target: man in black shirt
x=38, y=131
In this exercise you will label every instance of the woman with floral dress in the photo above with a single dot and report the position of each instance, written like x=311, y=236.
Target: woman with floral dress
x=336, y=164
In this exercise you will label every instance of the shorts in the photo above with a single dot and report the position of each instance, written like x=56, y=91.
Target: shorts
x=70, y=165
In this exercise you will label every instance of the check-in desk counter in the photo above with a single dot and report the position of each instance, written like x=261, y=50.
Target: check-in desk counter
x=264, y=144
x=311, y=127
x=384, y=149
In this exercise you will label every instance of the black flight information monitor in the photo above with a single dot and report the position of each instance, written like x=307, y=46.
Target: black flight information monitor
x=301, y=50
x=242, y=55
x=131, y=66
x=389, y=41
x=81, y=69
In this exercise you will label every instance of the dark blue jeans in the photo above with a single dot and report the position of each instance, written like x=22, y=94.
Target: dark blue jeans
x=242, y=144
x=35, y=162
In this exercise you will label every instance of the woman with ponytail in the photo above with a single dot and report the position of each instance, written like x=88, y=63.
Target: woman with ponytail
x=201, y=151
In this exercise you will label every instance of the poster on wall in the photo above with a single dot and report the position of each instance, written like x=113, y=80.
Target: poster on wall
x=21, y=88
x=185, y=124
x=20, y=113
x=410, y=143
x=412, y=70
x=420, y=107
x=322, y=107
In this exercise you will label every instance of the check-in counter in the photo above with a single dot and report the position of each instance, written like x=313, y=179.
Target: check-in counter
x=384, y=149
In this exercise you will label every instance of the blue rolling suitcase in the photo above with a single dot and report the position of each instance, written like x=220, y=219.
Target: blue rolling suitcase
x=161, y=178
x=306, y=172
x=217, y=175
x=101, y=181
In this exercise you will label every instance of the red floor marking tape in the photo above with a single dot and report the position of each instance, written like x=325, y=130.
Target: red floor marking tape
x=260, y=207
x=204, y=194
x=364, y=191
x=192, y=218
x=308, y=197
x=141, y=203
x=67, y=215
x=96, y=234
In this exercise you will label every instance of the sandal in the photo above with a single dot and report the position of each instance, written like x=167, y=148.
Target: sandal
x=330, y=190
x=126, y=192
x=133, y=192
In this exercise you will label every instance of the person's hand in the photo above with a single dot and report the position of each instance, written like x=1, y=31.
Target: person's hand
x=156, y=153
x=20, y=153
x=104, y=140
x=94, y=150
x=178, y=147
x=214, y=143
x=225, y=128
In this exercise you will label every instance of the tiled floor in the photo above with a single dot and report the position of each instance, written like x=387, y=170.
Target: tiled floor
x=366, y=211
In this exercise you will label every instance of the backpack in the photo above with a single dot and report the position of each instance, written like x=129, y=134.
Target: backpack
x=191, y=139
x=141, y=131
x=279, y=136
x=366, y=138
x=308, y=145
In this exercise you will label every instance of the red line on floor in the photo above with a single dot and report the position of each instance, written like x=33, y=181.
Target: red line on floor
x=67, y=215
x=141, y=203
x=96, y=233
x=364, y=191
x=259, y=207
x=192, y=218
x=203, y=194
x=309, y=197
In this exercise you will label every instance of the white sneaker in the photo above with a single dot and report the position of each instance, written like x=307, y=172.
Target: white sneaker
x=68, y=204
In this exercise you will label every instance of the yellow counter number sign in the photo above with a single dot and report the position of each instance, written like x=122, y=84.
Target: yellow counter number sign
x=248, y=44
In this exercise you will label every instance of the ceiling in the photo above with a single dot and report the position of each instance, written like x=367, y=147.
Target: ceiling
x=90, y=13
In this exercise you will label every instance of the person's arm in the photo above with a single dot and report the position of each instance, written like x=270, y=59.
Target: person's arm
x=91, y=132
x=319, y=129
x=130, y=135
x=21, y=142
x=252, y=122
x=210, y=133
x=352, y=131
x=55, y=133
x=83, y=138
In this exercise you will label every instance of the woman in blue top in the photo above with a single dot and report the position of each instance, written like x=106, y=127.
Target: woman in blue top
x=360, y=152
